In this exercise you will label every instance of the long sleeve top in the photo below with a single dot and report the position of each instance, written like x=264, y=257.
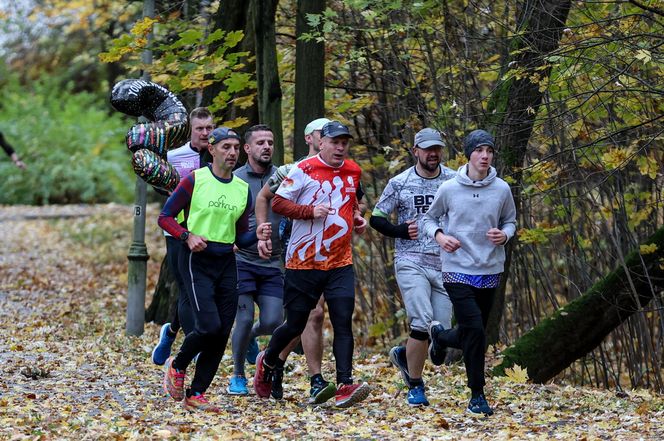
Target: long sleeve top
x=472, y=209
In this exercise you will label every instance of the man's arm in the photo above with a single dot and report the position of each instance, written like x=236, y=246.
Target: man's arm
x=263, y=198
x=177, y=201
x=380, y=223
x=384, y=207
x=287, y=208
x=431, y=226
x=507, y=221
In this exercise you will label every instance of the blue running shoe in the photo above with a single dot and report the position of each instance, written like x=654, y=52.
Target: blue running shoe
x=162, y=351
x=479, y=406
x=238, y=386
x=417, y=397
x=252, y=351
x=398, y=359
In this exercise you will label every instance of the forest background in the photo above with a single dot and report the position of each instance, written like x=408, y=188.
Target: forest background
x=571, y=89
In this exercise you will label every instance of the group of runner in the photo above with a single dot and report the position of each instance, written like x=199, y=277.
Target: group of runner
x=226, y=227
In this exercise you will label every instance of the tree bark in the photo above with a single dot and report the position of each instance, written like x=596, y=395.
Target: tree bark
x=234, y=15
x=165, y=297
x=267, y=73
x=579, y=327
x=515, y=102
x=309, y=75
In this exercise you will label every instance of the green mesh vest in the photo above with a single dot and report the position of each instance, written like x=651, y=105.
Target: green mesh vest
x=216, y=206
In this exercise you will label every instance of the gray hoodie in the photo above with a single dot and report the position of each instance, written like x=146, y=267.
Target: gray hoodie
x=472, y=208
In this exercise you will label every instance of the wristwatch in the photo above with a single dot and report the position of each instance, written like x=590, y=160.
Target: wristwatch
x=184, y=236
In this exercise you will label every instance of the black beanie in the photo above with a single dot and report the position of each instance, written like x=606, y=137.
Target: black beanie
x=475, y=139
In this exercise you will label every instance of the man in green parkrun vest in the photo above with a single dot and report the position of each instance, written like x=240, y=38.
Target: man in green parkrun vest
x=217, y=206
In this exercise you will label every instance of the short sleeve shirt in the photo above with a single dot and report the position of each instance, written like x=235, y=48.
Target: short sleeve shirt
x=411, y=195
x=322, y=244
x=184, y=159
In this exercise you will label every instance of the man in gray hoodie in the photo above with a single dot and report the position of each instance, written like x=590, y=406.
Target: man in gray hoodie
x=480, y=219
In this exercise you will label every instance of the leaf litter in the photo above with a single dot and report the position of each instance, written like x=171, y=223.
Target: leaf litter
x=68, y=371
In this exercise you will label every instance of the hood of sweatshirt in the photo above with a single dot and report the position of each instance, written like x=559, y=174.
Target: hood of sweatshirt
x=463, y=179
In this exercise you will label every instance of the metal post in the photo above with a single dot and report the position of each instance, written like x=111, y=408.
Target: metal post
x=138, y=252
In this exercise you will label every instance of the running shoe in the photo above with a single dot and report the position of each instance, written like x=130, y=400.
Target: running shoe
x=348, y=395
x=263, y=377
x=437, y=352
x=417, y=397
x=479, y=406
x=252, y=351
x=320, y=392
x=277, y=391
x=163, y=349
x=398, y=359
x=199, y=402
x=237, y=385
x=174, y=381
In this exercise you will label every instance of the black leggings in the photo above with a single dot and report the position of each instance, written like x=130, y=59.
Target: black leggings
x=341, y=315
x=182, y=316
x=211, y=285
x=471, y=310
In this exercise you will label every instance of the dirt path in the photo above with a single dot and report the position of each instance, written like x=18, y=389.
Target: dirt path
x=69, y=372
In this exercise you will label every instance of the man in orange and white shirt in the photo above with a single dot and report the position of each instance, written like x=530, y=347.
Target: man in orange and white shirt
x=319, y=194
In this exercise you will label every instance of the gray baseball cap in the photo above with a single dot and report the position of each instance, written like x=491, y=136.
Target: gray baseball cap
x=334, y=129
x=428, y=137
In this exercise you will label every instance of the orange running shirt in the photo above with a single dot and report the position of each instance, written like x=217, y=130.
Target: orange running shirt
x=322, y=244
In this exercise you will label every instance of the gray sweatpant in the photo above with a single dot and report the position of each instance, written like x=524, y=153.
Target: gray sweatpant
x=423, y=294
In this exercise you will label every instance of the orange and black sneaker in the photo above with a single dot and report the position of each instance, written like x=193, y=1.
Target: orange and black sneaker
x=174, y=381
x=198, y=402
x=350, y=394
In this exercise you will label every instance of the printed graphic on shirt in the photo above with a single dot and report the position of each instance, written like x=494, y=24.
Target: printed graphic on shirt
x=184, y=160
x=321, y=243
x=411, y=195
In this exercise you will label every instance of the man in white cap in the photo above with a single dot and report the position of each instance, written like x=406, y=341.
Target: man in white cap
x=417, y=257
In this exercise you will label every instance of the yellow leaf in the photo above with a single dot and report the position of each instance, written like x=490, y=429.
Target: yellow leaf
x=517, y=374
x=648, y=166
x=143, y=27
x=244, y=102
x=237, y=122
x=616, y=157
x=648, y=249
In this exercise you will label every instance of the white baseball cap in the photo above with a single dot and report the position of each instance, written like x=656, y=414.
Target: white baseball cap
x=314, y=125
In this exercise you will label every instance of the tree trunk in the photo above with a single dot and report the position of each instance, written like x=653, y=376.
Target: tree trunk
x=514, y=104
x=165, y=297
x=309, y=75
x=579, y=327
x=234, y=15
x=267, y=73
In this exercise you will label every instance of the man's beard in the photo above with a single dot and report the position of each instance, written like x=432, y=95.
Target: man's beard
x=425, y=165
x=263, y=163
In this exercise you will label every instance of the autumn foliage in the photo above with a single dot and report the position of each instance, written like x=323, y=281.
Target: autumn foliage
x=70, y=372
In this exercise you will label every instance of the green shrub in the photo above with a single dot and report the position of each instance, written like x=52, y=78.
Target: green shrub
x=72, y=144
